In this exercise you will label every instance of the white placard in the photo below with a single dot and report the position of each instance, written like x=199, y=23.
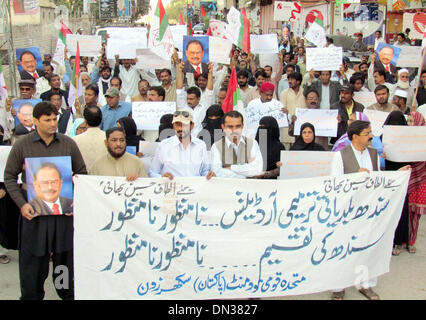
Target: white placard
x=376, y=118
x=305, y=164
x=89, y=46
x=148, y=60
x=316, y=35
x=269, y=60
x=323, y=59
x=147, y=114
x=178, y=31
x=125, y=49
x=404, y=143
x=324, y=121
x=135, y=35
x=256, y=111
x=219, y=50
x=148, y=148
x=182, y=238
x=264, y=43
x=366, y=98
x=4, y=154
x=409, y=57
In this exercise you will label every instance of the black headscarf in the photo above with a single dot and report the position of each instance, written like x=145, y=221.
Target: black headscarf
x=395, y=118
x=274, y=146
x=129, y=126
x=212, y=124
x=165, y=123
x=300, y=144
x=2, y=136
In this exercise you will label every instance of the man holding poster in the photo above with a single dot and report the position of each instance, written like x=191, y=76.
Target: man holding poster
x=42, y=237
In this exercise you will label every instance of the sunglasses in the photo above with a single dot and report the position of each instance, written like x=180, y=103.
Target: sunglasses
x=185, y=114
x=25, y=89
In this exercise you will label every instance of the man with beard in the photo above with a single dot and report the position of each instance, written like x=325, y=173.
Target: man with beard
x=382, y=97
x=242, y=79
x=235, y=156
x=400, y=100
x=346, y=107
x=114, y=109
x=143, y=87
x=403, y=84
x=117, y=83
x=103, y=84
x=168, y=85
x=118, y=162
x=181, y=155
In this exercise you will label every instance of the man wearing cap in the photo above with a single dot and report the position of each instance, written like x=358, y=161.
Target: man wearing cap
x=359, y=45
x=403, y=83
x=400, y=100
x=346, y=107
x=181, y=155
x=265, y=101
x=114, y=109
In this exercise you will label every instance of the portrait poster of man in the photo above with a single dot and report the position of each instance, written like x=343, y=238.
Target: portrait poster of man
x=195, y=54
x=49, y=185
x=387, y=57
x=24, y=111
x=30, y=63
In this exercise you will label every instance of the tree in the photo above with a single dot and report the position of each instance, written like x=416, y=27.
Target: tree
x=174, y=9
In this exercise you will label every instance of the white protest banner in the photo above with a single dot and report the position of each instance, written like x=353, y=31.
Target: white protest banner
x=133, y=33
x=219, y=50
x=90, y=46
x=264, y=43
x=148, y=60
x=125, y=50
x=305, y=164
x=366, y=98
x=409, y=57
x=181, y=239
x=316, y=35
x=147, y=114
x=256, y=111
x=320, y=59
x=376, y=118
x=324, y=121
x=4, y=154
x=220, y=29
x=404, y=143
x=178, y=31
x=163, y=48
x=284, y=11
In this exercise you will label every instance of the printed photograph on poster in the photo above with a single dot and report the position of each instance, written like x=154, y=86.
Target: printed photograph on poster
x=286, y=31
x=30, y=63
x=386, y=57
x=49, y=185
x=195, y=54
x=24, y=112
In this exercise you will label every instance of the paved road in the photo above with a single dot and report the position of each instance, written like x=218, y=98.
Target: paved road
x=405, y=281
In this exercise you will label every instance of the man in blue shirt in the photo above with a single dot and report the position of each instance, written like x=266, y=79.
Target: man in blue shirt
x=114, y=109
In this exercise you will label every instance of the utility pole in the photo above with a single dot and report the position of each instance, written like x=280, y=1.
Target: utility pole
x=6, y=44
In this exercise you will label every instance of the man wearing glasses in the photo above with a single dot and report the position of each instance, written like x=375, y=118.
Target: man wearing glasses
x=181, y=155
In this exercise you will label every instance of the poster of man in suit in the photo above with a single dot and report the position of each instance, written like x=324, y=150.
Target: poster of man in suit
x=30, y=64
x=196, y=54
x=49, y=185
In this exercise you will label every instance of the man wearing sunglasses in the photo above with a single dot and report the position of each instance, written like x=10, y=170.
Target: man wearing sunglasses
x=181, y=155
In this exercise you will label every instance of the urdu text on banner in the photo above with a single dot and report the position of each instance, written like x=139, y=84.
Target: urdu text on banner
x=227, y=238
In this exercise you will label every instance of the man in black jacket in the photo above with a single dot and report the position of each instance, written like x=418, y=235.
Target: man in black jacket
x=55, y=84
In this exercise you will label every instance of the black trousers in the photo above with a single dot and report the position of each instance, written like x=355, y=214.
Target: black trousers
x=34, y=270
x=402, y=230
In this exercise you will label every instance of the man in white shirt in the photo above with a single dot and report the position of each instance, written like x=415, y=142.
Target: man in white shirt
x=190, y=100
x=129, y=76
x=378, y=39
x=358, y=157
x=181, y=155
x=235, y=156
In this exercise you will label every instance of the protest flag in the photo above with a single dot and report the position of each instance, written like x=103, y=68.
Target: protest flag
x=160, y=12
x=233, y=99
x=181, y=19
x=63, y=33
x=190, y=30
x=76, y=88
x=209, y=32
x=244, y=38
x=203, y=13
